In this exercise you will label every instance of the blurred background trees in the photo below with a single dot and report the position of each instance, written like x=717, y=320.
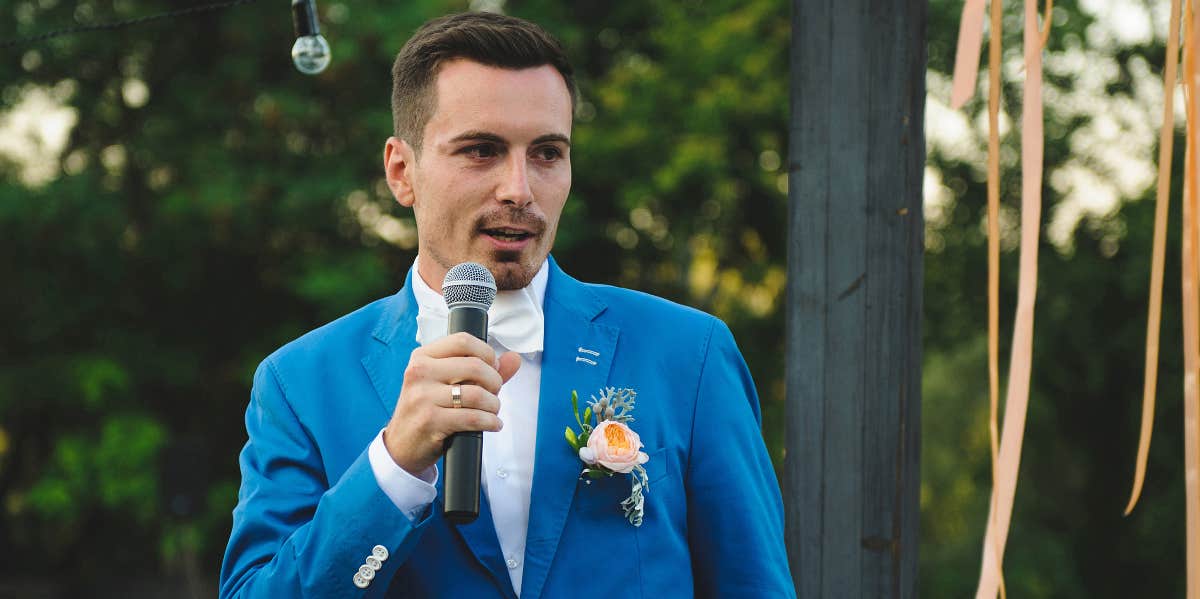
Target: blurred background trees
x=176, y=201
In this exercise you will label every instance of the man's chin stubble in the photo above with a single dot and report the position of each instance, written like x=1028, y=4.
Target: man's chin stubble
x=511, y=275
x=508, y=268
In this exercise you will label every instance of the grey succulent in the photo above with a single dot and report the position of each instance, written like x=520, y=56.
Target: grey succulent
x=614, y=404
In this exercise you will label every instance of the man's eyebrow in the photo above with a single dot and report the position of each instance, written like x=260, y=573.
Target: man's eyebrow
x=492, y=137
x=553, y=137
x=478, y=136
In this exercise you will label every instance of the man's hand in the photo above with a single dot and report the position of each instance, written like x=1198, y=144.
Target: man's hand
x=425, y=415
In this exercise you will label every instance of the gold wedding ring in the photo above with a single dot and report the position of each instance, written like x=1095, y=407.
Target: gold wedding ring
x=456, y=395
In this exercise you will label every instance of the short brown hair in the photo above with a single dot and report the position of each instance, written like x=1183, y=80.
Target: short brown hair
x=490, y=39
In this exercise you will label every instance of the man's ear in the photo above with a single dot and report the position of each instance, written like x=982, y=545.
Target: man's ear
x=398, y=161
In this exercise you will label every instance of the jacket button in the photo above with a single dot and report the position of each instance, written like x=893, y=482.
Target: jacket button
x=366, y=572
x=361, y=582
x=380, y=552
x=374, y=562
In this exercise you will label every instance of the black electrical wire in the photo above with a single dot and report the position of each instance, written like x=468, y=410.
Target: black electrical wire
x=123, y=24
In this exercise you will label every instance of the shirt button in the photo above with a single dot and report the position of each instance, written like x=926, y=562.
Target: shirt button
x=512, y=563
x=380, y=552
x=502, y=473
x=361, y=582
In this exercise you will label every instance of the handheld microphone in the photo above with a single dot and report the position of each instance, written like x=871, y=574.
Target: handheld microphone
x=469, y=290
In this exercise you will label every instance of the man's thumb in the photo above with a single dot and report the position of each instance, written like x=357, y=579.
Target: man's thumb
x=509, y=363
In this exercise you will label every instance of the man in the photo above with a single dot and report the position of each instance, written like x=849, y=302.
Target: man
x=341, y=489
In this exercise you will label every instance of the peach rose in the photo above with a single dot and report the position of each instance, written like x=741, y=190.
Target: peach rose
x=615, y=446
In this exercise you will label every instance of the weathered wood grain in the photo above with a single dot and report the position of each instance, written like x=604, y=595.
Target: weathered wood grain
x=854, y=290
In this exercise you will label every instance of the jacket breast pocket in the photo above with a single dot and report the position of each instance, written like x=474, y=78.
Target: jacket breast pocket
x=657, y=466
x=599, y=499
x=599, y=522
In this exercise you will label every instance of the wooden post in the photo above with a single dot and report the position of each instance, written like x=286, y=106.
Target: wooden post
x=854, y=289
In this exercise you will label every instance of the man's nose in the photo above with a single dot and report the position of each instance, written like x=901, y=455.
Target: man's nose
x=514, y=188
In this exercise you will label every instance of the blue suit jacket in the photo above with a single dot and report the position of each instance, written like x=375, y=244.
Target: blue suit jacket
x=310, y=511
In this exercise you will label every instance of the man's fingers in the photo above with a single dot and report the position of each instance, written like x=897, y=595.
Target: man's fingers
x=425, y=413
x=460, y=345
x=468, y=370
x=453, y=370
x=473, y=397
x=457, y=420
x=509, y=363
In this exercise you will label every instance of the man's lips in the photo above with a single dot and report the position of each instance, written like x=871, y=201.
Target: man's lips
x=508, y=239
x=507, y=233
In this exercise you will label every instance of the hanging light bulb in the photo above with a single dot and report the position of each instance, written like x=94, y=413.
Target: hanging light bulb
x=310, y=53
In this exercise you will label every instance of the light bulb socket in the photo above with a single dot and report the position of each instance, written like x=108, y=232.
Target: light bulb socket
x=304, y=18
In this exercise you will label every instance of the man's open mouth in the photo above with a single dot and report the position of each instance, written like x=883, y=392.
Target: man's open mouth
x=507, y=234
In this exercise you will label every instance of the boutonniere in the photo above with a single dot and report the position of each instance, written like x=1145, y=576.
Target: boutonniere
x=609, y=446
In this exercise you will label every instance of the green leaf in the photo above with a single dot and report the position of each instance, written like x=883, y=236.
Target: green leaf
x=587, y=414
x=587, y=434
x=572, y=439
x=575, y=406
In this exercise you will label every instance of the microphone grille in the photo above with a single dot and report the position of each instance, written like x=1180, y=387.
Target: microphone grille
x=469, y=283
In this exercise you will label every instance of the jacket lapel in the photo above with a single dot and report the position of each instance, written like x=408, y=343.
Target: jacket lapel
x=385, y=363
x=396, y=334
x=577, y=356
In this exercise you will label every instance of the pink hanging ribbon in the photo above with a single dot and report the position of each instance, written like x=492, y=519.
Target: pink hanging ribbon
x=966, y=60
x=1191, y=305
x=1007, y=462
x=1166, y=139
x=1020, y=363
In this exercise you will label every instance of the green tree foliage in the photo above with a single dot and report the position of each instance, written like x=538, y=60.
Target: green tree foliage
x=210, y=204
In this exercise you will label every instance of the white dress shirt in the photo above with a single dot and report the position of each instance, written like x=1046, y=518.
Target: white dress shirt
x=508, y=453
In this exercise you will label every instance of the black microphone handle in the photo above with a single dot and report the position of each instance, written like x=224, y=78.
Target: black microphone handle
x=464, y=451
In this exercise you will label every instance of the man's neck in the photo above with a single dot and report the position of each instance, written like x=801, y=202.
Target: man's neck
x=430, y=272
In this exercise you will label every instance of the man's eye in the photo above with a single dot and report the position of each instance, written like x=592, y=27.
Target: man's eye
x=480, y=151
x=548, y=153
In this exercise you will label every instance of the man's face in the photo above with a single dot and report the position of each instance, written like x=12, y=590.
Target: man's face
x=493, y=174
